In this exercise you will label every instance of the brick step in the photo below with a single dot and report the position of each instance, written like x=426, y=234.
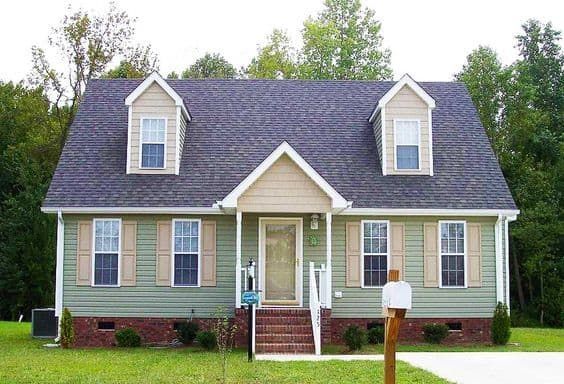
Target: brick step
x=283, y=312
x=285, y=348
x=278, y=320
x=284, y=338
x=286, y=328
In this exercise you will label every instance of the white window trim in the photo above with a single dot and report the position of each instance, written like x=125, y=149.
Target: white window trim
x=441, y=255
x=388, y=258
x=173, y=253
x=418, y=146
x=141, y=142
x=93, y=282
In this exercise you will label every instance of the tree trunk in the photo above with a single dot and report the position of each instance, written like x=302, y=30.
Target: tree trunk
x=517, y=274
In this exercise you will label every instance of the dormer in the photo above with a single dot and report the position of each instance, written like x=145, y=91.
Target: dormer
x=403, y=126
x=156, y=127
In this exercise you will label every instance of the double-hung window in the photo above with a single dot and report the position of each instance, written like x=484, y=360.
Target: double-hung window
x=107, y=240
x=186, y=241
x=407, y=134
x=153, y=141
x=375, y=253
x=453, y=253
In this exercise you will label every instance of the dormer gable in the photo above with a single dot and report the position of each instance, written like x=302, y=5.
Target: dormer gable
x=157, y=120
x=402, y=122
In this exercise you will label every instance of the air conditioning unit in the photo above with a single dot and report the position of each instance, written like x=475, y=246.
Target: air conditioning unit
x=44, y=323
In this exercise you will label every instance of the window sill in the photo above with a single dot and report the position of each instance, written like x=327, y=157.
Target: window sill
x=185, y=286
x=105, y=286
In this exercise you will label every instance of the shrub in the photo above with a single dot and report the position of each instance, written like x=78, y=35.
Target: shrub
x=187, y=332
x=67, y=329
x=376, y=334
x=128, y=338
x=225, y=330
x=355, y=338
x=206, y=339
x=435, y=333
x=501, y=325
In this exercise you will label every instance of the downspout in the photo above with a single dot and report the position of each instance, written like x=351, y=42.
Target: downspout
x=59, y=266
x=499, y=261
x=506, y=228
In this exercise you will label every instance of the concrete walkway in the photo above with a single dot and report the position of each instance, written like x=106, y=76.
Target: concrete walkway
x=491, y=367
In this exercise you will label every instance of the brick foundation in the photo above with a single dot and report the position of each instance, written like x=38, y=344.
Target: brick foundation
x=161, y=330
x=411, y=330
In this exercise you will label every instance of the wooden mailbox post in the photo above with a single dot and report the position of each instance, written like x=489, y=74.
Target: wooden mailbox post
x=396, y=300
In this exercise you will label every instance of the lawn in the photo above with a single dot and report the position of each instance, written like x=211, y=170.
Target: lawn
x=522, y=340
x=24, y=360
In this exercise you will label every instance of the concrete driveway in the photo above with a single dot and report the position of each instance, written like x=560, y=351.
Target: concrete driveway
x=491, y=367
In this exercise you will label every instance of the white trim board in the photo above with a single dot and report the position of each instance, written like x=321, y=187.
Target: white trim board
x=427, y=212
x=337, y=201
x=156, y=78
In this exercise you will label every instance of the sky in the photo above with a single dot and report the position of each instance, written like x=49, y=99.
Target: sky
x=428, y=39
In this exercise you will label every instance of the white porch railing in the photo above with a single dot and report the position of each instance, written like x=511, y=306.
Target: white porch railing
x=315, y=309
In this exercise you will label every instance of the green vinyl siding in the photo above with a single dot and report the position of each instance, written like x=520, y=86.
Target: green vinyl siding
x=146, y=299
x=427, y=302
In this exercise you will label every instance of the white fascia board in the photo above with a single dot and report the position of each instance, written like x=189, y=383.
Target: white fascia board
x=405, y=80
x=230, y=201
x=136, y=210
x=426, y=212
x=156, y=78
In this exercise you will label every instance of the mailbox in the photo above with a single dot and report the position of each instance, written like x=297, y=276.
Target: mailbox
x=396, y=295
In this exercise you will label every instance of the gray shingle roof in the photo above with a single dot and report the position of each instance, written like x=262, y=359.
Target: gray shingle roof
x=238, y=123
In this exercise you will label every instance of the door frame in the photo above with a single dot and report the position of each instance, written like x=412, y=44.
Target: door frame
x=299, y=256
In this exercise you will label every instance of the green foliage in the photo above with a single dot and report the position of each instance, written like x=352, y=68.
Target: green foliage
x=140, y=62
x=128, y=338
x=187, y=332
x=501, y=325
x=521, y=106
x=435, y=333
x=376, y=334
x=275, y=60
x=355, y=338
x=67, y=329
x=344, y=42
x=29, y=149
x=211, y=65
x=207, y=339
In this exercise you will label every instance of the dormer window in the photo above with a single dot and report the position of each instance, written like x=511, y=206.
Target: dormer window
x=153, y=143
x=407, y=134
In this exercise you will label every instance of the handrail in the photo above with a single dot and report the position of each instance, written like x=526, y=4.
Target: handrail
x=315, y=309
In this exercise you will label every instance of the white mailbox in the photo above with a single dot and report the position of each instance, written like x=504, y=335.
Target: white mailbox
x=397, y=295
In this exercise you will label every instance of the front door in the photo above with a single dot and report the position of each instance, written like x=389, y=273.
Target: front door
x=281, y=261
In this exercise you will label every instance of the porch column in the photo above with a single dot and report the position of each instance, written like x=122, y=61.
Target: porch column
x=239, y=216
x=329, y=290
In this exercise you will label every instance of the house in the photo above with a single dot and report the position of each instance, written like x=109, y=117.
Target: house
x=166, y=188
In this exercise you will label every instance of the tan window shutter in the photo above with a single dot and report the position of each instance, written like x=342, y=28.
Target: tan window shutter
x=128, y=252
x=164, y=241
x=353, y=254
x=474, y=255
x=398, y=248
x=84, y=253
x=430, y=255
x=208, y=254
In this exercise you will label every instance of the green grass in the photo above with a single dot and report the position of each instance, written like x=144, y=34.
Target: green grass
x=24, y=360
x=522, y=340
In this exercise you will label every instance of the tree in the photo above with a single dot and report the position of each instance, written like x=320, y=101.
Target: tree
x=344, y=42
x=275, y=60
x=484, y=77
x=141, y=62
x=211, y=65
x=521, y=106
x=29, y=148
x=173, y=75
x=88, y=43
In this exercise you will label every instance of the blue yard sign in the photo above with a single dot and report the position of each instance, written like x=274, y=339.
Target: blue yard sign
x=250, y=297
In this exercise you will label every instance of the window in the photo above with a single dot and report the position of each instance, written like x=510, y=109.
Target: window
x=452, y=254
x=107, y=234
x=153, y=136
x=407, y=144
x=375, y=253
x=186, y=252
